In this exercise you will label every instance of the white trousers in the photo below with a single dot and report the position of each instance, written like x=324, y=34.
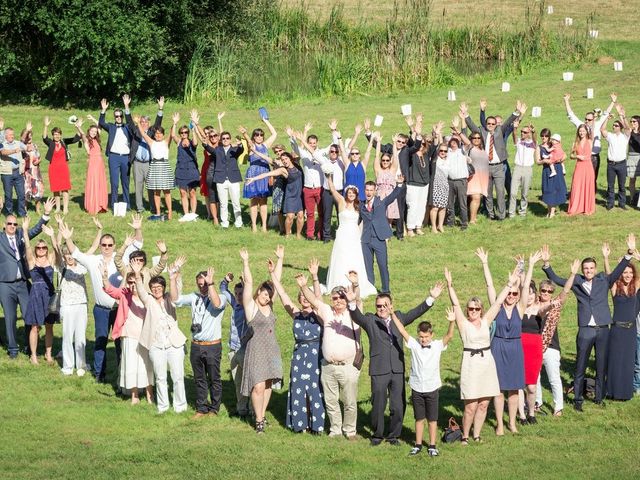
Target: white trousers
x=551, y=362
x=74, y=329
x=174, y=358
x=226, y=190
x=416, y=205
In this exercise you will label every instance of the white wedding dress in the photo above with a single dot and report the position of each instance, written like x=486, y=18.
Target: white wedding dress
x=347, y=255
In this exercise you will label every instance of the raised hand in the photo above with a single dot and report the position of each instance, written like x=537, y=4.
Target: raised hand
x=175, y=117
x=546, y=254
x=25, y=223
x=209, y=277
x=483, y=255
x=96, y=222
x=48, y=205
x=48, y=231
x=448, y=277
x=289, y=131
x=483, y=104
x=535, y=257
x=47, y=121
x=162, y=247
x=126, y=100
x=614, y=97
x=314, y=265
x=65, y=231
x=631, y=242
x=29, y=126
x=575, y=266
x=104, y=104
x=136, y=267
x=566, y=97
x=367, y=124
x=221, y=115
x=333, y=124
x=514, y=277
x=79, y=123
x=307, y=127
x=179, y=262
x=242, y=129
x=301, y=280
x=271, y=265
x=244, y=254
x=352, y=276
x=92, y=119
x=161, y=103
x=195, y=118
x=451, y=314
x=606, y=250
x=129, y=239
x=436, y=290
x=136, y=221
x=464, y=110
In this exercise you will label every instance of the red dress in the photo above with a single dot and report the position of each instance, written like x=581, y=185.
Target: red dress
x=531, y=338
x=583, y=190
x=204, y=188
x=59, y=176
x=95, y=191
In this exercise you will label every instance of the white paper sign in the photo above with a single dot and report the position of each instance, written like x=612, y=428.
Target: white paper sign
x=589, y=92
x=550, y=9
x=377, y=122
x=536, y=112
x=567, y=76
x=593, y=33
x=506, y=86
x=451, y=96
x=568, y=21
x=617, y=66
x=406, y=110
x=120, y=209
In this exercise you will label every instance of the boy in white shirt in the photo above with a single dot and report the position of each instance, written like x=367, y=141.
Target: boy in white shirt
x=424, y=379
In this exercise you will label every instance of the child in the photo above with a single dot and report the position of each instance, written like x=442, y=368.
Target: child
x=557, y=154
x=425, y=378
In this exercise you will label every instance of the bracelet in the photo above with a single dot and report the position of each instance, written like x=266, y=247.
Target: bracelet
x=315, y=279
x=510, y=285
x=355, y=285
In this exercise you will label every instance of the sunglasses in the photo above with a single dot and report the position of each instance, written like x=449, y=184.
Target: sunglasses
x=226, y=138
x=513, y=294
x=385, y=160
x=354, y=153
x=402, y=142
x=543, y=290
x=117, y=116
x=442, y=151
x=184, y=132
x=475, y=138
x=588, y=119
x=491, y=123
x=333, y=151
x=337, y=297
x=473, y=309
x=12, y=223
x=258, y=134
x=378, y=306
x=214, y=134
x=106, y=244
x=42, y=247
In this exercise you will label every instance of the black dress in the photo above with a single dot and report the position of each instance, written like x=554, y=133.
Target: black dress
x=622, y=348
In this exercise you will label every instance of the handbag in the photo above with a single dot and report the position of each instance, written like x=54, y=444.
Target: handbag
x=358, y=358
x=452, y=433
x=54, y=299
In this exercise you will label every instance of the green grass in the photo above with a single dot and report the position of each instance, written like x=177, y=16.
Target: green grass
x=70, y=427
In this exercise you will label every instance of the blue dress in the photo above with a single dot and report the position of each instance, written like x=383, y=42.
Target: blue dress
x=187, y=171
x=506, y=348
x=305, y=389
x=622, y=348
x=41, y=290
x=293, y=192
x=257, y=166
x=355, y=175
x=554, y=189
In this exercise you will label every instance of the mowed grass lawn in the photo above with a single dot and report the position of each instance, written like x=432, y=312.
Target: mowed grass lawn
x=70, y=427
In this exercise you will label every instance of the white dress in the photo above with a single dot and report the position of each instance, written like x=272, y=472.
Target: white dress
x=347, y=255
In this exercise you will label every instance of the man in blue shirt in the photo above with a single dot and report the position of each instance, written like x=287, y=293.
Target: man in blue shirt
x=207, y=310
x=11, y=170
x=237, y=332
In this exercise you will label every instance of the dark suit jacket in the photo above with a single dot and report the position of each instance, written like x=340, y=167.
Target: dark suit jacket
x=498, y=135
x=596, y=304
x=51, y=146
x=375, y=221
x=110, y=128
x=136, y=138
x=9, y=266
x=386, y=353
x=226, y=164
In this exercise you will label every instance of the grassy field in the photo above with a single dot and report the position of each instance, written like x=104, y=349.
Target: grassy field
x=69, y=427
x=617, y=20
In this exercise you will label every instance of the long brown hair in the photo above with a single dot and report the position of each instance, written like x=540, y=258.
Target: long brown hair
x=356, y=202
x=576, y=142
x=633, y=285
x=97, y=138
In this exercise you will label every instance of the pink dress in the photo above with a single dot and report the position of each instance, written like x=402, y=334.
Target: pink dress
x=95, y=192
x=583, y=194
x=386, y=182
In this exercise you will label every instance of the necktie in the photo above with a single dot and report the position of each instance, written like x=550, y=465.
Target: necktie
x=387, y=322
x=370, y=205
x=490, y=147
x=14, y=247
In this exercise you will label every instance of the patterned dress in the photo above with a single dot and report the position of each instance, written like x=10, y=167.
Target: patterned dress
x=305, y=391
x=262, y=359
x=257, y=166
x=440, y=188
x=385, y=183
x=160, y=176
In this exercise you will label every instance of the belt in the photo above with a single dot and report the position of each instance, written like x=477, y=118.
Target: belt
x=597, y=327
x=499, y=163
x=623, y=324
x=614, y=162
x=204, y=344
x=115, y=307
x=506, y=338
x=335, y=363
x=476, y=351
x=306, y=342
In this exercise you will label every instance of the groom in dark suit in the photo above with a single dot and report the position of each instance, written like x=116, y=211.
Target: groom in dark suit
x=376, y=230
x=594, y=317
x=386, y=366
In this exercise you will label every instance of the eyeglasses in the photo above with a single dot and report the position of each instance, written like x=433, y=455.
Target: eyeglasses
x=379, y=306
x=385, y=159
x=214, y=134
x=12, y=223
x=513, y=294
x=336, y=297
x=442, y=151
x=42, y=247
x=491, y=123
x=117, y=116
x=475, y=138
x=543, y=290
x=258, y=134
x=354, y=153
x=588, y=119
x=473, y=309
x=226, y=138
x=106, y=244
x=634, y=121
x=333, y=151
x=401, y=142
x=184, y=132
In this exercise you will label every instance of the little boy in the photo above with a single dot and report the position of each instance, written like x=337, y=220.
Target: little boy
x=424, y=379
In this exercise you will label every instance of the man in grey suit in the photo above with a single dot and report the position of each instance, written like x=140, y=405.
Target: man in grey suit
x=14, y=273
x=496, y=149
x=594, y=317
x=376, y=230
x=386, y=365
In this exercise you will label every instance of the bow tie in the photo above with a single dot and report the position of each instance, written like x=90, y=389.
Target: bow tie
x=425, y=346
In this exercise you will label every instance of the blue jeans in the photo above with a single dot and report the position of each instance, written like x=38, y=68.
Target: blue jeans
x=636, y=375
x=104, y=319
x=119, y=170
x=616, y=170
x=9, y=182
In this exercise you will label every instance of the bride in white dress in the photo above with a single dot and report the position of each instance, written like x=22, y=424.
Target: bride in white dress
x=346, y=255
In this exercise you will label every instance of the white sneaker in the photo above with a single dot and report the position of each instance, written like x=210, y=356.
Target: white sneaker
x=433, y=451
x=552, y=174
x=66, y=372
x=194, y=216
x=80, y=372
x=184, y=218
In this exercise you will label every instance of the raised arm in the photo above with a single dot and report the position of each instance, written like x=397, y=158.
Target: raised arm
x=488, y=278
x=31, y=260
x=274, y=134
x=455, y=303
x=315, y=301
x=451, y=317
x=631, y=248
x=335, y=194
x=524, y=290
x=572, y=116
x=314, y=265
x=493, y=310
x=164, y=257
x=117, y=258
x=606, y=251
x=140, y=287
x=367, y=153
x=212, y=293
x=546, y=267
x=284, y=297
x=247, y=291
x=400, y=327
x=356, y=134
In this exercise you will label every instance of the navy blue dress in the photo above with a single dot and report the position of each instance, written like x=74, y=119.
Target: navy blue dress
x=506, y=348
x=41, y=290
x=554, y=189
x=622, y=348
x=293, y=192
x=305, y=390
x=187, y=171
x=257, y=166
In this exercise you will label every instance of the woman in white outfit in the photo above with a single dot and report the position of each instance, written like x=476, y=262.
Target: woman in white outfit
x=346, y=255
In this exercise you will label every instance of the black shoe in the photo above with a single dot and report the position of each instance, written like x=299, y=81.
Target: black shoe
x=622, y=207
x=393, y=441
x=327, y=240
x=523, y=421
x=375, y=441
x=609, y=207
x=600, y=403
x=578, y=407
x=532, y=420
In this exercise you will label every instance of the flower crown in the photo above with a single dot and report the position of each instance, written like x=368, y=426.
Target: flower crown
x=352, y=186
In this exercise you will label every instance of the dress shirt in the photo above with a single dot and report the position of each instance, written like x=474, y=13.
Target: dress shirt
x=525, y=153
x=143, y=154
x=338, y=343
x=14, y=158
x=496, y=157
x=238, y=326
x=457, y=165
x=425, y=365
x=14, y=246
x=595, y=131
x=120, y=145
x=587, y=287
x=617, y=151
x=203, y=312
x=338, y=174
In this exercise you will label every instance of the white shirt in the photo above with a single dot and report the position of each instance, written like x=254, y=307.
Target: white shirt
x=587, y=287
x=618, y=143
x=159, y=150
x=425, y=365
x=338, y=173
x=338, y=343
x=311, y=170
x=73, y=288
x=525, y=152
x=120, y=143
x=457, y=165
x=595, y=132
x=93, y=264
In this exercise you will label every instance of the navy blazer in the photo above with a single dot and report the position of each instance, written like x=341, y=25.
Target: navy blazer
x=386, y=353
x=110, y=128
x=226, y=164
x=375, y=221
x=136, y=138
x=9, y=266
x=596, y=304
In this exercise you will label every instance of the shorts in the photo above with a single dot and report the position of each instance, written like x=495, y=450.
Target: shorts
x=425, y=405
x=633, y=165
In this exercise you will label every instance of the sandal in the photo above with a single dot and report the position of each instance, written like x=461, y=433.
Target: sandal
x=557, y=413
x=464, y=441
x=260, y=426
x=477, y=439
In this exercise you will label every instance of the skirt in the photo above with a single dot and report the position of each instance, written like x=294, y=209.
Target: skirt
x=160, y=176
x=136, y=370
